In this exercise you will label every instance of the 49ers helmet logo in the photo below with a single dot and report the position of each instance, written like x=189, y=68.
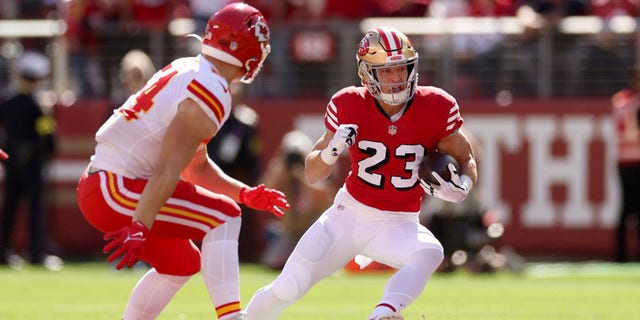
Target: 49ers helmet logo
x=363, y=47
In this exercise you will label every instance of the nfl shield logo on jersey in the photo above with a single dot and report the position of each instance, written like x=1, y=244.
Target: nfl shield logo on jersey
x=393, y=130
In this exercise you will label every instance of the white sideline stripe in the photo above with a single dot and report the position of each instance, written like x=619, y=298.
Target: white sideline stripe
x=31, y=28
x=582, y=269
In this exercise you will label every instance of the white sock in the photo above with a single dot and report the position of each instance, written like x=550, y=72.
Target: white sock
x=381, y=309
x=221, y=268
x=152, y=294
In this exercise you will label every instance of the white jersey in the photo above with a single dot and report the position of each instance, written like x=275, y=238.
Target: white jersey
x=129, y=142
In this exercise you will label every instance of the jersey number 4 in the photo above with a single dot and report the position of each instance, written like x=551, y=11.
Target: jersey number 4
x=144, y=99
x=379, y=155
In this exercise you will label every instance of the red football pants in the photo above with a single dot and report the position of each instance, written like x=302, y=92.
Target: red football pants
x=108, y=202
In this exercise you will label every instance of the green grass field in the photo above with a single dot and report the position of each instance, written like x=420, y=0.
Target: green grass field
x=544, y=291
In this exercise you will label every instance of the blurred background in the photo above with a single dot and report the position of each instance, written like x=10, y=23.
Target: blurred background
x=534, y=79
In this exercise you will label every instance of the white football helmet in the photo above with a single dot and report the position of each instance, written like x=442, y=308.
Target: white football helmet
x=383, y=48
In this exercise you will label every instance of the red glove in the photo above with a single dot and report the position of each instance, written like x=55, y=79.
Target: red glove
x=3, y=155
x=126, y=242
x=263, y=198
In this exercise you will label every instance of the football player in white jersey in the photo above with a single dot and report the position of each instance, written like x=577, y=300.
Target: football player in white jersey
x=388, y=125
x=151, y=187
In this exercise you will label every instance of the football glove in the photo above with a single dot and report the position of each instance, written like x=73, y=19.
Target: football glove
x=342, y=139
x=126, y=243
x=265, y=199
x=454, y=191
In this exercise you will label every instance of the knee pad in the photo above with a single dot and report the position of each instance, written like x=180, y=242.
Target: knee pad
x=315, y=244
x=295, y=279
x=428, y=259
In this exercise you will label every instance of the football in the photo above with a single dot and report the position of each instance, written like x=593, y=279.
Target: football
x=437, y=162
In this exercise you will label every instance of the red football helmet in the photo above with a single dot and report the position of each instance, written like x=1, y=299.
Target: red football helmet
x=238, y=34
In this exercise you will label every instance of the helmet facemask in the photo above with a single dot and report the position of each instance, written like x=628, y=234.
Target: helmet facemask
x=253, y=66
x=384, y=48
x=261, y=32
x=369, y=75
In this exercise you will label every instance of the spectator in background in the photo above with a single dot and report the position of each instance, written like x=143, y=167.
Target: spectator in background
x=523, y=55
x=610, y=8
x=541, y=19
x=85, y=21
x=31, y=143
x=626, y=106
x=286, y=172
x=136, y=68
x=236, y=146
x=201, y=11
x=449, y=221
x=537, y=19
x=448, y=8
x=403, y=8
x=27, y=10
x=607, y=55
x=236, y=150
x=147, y=23
x=469, y=231
x=137, y=24
x=479, y=56
x=604, y=63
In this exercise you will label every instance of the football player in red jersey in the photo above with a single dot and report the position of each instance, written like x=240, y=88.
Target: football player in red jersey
x=151, y=187
x=387, y=125
x=626, y=114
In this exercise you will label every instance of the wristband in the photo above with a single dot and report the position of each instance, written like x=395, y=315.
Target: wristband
x=327, y=156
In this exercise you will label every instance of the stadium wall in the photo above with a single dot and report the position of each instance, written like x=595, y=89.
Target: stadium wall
x=548, y=167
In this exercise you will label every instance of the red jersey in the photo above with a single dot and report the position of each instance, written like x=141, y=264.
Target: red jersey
x=626, y=105
x=386, y=153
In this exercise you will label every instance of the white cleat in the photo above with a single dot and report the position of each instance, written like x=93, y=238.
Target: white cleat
x=390, y=316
